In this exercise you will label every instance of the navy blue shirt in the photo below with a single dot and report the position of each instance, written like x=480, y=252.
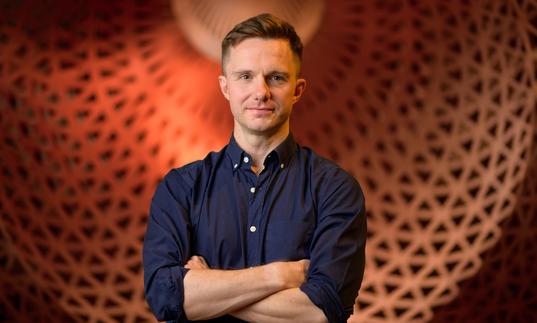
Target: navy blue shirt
x=301, y=206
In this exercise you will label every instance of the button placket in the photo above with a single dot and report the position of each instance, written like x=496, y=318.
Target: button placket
x=254, y=210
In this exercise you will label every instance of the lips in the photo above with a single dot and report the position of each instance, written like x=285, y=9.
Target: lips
x=260, y=112
x=260, y=108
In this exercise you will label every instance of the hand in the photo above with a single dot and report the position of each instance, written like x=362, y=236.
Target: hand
x=291, y=274
x=196, y=262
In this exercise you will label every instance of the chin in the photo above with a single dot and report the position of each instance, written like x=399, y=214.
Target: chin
x=260, y=126
x=260, y=129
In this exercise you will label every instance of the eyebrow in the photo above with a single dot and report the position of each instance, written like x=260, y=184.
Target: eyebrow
x=239, y=72
x=285, y=74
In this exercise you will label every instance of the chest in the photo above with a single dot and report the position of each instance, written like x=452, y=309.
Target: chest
x=246, y=221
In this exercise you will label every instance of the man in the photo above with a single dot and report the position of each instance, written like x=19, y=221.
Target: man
x=264, y=230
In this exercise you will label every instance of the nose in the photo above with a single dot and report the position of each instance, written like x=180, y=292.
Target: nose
x=262, y=90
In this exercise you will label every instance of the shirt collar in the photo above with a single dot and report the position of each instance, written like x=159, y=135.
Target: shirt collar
x=284, y=152
x=234, y=152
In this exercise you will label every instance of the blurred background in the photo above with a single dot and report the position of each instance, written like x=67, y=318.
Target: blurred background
x=430, y=104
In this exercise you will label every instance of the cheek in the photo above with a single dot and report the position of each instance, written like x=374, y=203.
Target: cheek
x=285, y=96
x=238, y=94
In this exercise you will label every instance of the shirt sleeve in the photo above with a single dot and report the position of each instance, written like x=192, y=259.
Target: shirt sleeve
x=337, y=254
x=167, y=248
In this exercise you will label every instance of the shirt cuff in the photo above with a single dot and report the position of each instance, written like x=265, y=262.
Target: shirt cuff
x=166, y=296
x=323, y=295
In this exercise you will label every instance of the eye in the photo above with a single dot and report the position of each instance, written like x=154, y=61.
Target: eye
x=244, y=76
x=278, y=78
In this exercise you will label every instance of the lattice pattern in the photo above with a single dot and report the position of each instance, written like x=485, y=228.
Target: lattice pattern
x=443, y=120
x=206, y=23
x=429, y=104
x=504, y=289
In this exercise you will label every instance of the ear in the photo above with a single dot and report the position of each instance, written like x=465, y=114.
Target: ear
x=223, y=86
x=299, y=89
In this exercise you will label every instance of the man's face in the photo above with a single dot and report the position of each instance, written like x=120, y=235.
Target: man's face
x=261, y=85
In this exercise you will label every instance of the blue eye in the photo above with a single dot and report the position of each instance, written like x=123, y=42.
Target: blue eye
x=278, y=78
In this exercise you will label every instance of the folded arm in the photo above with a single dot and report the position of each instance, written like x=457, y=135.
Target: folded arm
x=287, y=305
x=210, y=293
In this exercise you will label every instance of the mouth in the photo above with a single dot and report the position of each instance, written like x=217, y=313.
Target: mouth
x=260, y=109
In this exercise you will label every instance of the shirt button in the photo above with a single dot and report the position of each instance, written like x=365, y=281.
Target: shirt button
x=253, y=229
x=252, y=189
x=246, y=159
x=282, y=166
x=236, y=165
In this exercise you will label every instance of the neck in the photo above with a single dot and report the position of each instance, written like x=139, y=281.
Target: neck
x=258, y=146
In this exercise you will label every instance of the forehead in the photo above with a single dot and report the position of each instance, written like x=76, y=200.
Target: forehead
x=255, y=52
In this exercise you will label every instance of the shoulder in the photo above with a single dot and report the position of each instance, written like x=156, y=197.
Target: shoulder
x=328, y=178
x=186, y=173
x=187, y=177
x=325, y=170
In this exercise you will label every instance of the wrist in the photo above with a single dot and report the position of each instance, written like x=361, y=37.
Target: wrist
x=273, y=273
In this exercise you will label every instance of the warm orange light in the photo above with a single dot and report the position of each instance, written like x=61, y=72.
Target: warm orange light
x=430, y=105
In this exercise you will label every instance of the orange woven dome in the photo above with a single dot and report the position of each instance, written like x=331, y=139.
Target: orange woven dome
x=430, y=104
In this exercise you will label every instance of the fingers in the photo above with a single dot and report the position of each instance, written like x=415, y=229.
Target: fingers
x=305, y=264
x=202, y=260
x=196, y=262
